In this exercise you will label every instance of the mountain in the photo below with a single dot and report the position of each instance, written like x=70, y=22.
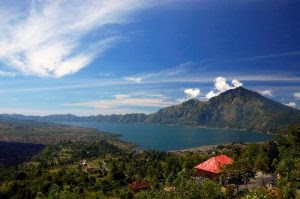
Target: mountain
x=127, y=118
x=237, y=108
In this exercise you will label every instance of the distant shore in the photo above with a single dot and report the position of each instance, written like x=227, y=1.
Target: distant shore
x=211, y=147
x=212, y=127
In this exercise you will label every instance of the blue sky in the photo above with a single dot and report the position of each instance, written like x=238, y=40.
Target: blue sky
x=104, y=57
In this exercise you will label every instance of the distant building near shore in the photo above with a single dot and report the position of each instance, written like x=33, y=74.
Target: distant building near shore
x=211, y=168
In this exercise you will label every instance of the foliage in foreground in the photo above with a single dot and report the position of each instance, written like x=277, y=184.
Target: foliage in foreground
x=59, y=172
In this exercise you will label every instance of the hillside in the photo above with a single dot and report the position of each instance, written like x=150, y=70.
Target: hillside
x=51, y=133
x=238, y=108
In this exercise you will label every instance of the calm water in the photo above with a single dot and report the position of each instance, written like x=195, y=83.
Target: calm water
x=173, y=137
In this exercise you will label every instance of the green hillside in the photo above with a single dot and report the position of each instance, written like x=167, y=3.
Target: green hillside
x=237, y=108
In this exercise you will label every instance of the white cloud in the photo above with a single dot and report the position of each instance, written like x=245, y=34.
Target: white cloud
x=134, y=79
x=268, y=93
x=47, y=38
x=297, y=96
x=211, y=94
x=121, y=96
x=7, y=74
x=162, y=75
x=291, y=104
x=191, y=93
x=236, y=83
x=221, y=86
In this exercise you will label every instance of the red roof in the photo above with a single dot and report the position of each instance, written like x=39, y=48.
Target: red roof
x=138, y=185
x=214, y=164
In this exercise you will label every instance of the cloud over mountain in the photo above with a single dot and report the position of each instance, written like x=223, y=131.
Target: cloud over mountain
x=291, y=104
x=297, y=96
x=221, y=86
x=268, y=93
x=190, y=94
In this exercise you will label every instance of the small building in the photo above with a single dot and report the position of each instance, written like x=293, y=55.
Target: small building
x=91, y=168
x=169, y=189
x=211, y=168
x=82, y=162
x=139, y=185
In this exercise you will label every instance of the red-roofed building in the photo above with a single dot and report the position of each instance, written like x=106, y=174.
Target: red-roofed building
x=211, y=168
x=139, y=185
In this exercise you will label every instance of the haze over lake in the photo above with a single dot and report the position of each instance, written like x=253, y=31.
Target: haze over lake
x=173, y=137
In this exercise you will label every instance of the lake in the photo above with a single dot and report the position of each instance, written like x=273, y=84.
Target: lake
x=173, y=137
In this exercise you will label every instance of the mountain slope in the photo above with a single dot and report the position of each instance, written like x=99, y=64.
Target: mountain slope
x=237, y=108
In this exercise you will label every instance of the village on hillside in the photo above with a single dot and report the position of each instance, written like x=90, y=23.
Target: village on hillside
x=216, y=168
x=102, y=170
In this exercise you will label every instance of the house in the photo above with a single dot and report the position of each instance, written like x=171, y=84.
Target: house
x=211, y=168
x=91, y=168
x=169, y=189
x=82, y=162
x=139, y=185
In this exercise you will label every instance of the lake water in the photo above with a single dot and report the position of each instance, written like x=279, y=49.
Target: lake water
x=173, y=137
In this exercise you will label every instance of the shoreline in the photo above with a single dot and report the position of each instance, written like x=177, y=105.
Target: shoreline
x=209, y=147
x=217, y=128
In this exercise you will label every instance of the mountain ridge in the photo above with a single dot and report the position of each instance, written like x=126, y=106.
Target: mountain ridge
x=237, y=108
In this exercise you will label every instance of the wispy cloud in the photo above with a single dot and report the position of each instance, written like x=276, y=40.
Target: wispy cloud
x=268, y=93
x=47, y=38
x=161, y=75
x=193, y=72
x=104, y=74
x=67, y=86
x=115, y=82
x=221, y=86
x=78, y=111
x=294, y=53
x=135, y=79
x=7, y=74
x=132, y=102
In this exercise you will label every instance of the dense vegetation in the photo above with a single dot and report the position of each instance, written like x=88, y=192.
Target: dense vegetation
x=51, y=133
x=20, y=140
x=12, y=153
x=236, y=109
x=59, y=171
